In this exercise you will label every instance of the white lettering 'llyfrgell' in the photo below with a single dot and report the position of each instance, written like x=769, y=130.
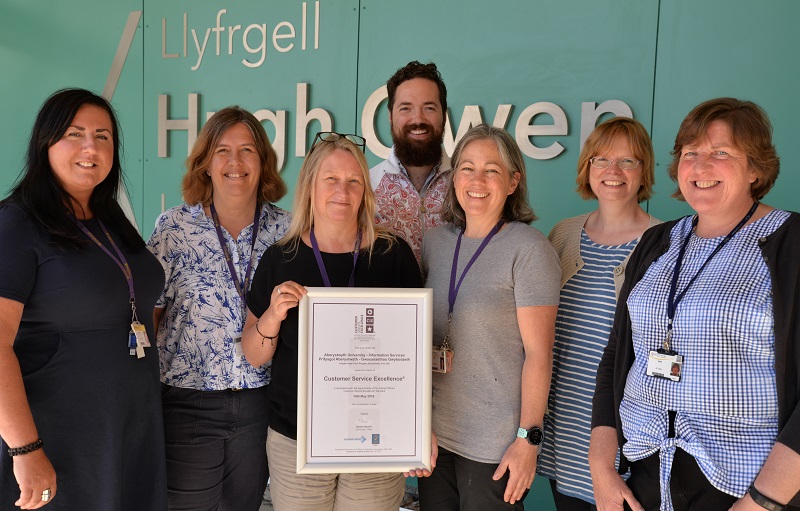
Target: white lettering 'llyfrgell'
x=255, y=38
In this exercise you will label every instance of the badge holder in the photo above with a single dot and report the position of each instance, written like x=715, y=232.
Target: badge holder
x=442, y=359
x=665, y=363
x=137, y=337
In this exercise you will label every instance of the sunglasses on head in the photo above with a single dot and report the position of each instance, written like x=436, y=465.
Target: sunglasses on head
x=332, y=136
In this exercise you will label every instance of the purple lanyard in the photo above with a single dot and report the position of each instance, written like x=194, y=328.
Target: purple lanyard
x=242, y=290
x=455, y=287
x=119, y=258
x=321, y=263
x=673, y=301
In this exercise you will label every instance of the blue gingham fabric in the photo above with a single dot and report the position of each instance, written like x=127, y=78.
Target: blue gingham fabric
x=726, y=401
x=203, y=313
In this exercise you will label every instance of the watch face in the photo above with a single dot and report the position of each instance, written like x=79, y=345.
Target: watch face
x=535, y=435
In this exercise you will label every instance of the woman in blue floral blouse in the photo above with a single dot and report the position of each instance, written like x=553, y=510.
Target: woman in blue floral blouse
x=214, y=402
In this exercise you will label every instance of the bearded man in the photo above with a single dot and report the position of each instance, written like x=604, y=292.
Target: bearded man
x=411, y=184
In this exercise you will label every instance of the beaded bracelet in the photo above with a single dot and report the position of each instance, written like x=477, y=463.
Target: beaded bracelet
x=25, y=449
x=271, y=338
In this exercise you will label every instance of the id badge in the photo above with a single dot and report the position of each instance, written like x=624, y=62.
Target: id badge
x=132, y=343
x=665, y=364
x=442, y=360
x=141, y=334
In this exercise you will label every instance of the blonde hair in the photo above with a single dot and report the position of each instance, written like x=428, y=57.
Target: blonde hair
x=196, y=184
x=303, y=208
x=601, y=140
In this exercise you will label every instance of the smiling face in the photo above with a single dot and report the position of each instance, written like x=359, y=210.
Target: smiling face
x=482, y=182
x=82, y=158
x=613, y=183
x=715, y=176
x=417, y=122
x=338, y=189
x=235, y=168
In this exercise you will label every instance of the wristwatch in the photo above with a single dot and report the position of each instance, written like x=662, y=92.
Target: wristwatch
x=535, y=435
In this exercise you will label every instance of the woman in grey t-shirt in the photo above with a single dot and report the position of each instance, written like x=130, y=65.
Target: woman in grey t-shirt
x=497, y=279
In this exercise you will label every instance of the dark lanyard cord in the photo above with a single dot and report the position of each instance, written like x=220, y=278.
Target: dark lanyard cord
x=321, y=263
x=454, y=287
x=673, y=301
x=241, y=289
x=119, y=258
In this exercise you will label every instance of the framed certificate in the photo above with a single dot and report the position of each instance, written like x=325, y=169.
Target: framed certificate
x=364, y=380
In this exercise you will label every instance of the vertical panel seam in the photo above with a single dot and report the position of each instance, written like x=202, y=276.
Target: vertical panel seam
x=655, y=78
x=358, y=62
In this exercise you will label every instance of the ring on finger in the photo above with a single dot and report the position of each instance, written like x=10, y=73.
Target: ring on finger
x=46, y=495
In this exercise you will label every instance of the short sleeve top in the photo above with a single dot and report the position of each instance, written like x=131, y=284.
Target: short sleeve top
x=203, y=312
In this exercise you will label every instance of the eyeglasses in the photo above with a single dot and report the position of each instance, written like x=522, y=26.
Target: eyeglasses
x=623, y=163
x=332, y=136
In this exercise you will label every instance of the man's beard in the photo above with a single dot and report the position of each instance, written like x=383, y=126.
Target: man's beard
x=418, y=153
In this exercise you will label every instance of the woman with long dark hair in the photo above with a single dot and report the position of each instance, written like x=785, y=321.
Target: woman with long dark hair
x=79, y=394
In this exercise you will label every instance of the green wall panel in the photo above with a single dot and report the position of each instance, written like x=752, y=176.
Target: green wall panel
x=727, y=48
x=327, y=65
x=45, y=46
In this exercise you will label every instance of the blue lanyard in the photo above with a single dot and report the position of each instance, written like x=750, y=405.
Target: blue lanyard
x=242, y=290
x=673, y=301
x=454, y=287
x=321, y=263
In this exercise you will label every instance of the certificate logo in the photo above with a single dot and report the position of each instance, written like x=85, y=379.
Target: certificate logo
x=376, y=438
x=365, y=323
x=370, y=320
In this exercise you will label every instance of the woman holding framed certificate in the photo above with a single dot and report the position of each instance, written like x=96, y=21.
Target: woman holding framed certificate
x=496, y=287
x=332, y=241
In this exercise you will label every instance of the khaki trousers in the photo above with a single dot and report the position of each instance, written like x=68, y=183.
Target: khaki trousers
x=326, y=492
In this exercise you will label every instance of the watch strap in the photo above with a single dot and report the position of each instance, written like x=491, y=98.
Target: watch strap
x=763, y=501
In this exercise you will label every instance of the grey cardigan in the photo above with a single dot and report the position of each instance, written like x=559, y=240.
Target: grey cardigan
x=566, y=238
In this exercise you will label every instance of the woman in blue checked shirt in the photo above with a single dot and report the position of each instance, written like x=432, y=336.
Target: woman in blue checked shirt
x=699, y=383
x=214, y=402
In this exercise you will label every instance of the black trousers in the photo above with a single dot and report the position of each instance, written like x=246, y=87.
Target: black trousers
x=216, y=448
x=567, y=503
x=460, y=484
x=689, y=487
